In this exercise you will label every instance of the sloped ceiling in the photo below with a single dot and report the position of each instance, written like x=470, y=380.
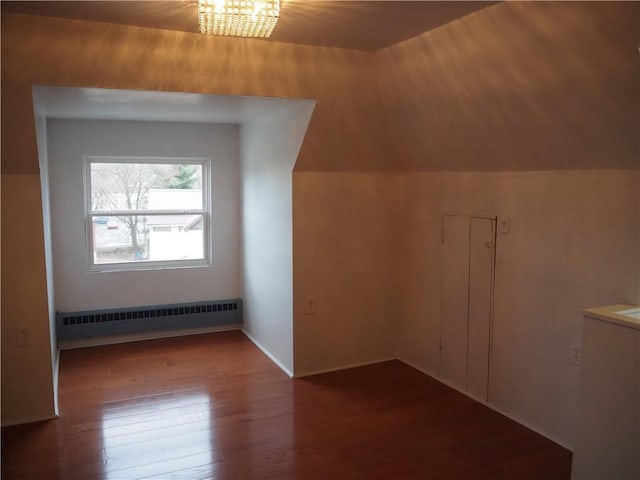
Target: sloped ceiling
x=360, y=25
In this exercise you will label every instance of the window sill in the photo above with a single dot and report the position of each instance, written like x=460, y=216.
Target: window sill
x=151, y=266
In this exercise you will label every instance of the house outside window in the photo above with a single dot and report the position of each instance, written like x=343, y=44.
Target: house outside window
x=147, y=213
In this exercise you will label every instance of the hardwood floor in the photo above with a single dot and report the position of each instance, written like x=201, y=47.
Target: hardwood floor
x=214, y=407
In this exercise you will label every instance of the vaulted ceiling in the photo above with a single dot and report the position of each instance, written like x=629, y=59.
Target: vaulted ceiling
x=361, y=25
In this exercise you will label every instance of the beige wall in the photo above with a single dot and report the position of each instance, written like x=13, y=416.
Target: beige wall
x=344, y=132
x=27, y=371
x=343, y=249
x=524, y=110
x=518, y=86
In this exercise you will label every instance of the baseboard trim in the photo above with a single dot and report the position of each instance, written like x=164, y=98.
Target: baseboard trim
x=491, y=406
x=25, y=420
x=268, y=354
x=344, y=367
x=138, y=337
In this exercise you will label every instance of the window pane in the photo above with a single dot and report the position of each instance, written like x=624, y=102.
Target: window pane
x=145, y=186
x=147, y=238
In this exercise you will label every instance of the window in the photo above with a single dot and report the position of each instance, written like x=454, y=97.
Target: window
x=145, y=213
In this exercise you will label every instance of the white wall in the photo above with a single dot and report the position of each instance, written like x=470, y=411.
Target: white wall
x=573, y=243
x=43, y=161
x=78, y=289
x=269, y=147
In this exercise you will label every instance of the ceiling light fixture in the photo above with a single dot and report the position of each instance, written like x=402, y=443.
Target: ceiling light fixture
x=238, y=18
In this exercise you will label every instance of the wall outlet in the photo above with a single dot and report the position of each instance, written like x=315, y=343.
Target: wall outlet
x=23, y=335
x=576, y=355
x=310, y=305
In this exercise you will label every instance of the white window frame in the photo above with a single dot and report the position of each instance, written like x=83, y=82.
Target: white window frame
x=90, y=214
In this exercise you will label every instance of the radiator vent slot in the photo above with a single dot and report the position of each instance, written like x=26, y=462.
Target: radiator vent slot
x=72, y=325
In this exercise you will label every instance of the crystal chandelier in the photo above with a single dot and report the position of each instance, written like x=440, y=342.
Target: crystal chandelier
x=238, y=18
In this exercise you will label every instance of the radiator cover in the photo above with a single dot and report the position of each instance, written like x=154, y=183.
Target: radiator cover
x=119, y=321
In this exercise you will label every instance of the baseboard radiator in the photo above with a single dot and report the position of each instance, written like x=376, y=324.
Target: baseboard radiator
x=120, y=321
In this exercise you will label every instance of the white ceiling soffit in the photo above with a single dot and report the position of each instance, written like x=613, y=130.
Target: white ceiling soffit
x=107, y=104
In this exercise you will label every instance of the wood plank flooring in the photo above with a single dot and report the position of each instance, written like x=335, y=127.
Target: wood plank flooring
x=214, y=407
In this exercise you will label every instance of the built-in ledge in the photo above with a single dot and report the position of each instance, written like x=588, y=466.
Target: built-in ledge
x=607, y=434
x=624, y=315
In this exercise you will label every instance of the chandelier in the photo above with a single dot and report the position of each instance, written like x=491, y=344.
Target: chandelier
x=238, y=18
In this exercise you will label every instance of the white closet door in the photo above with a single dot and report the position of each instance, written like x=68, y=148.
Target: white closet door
x=467, y=294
